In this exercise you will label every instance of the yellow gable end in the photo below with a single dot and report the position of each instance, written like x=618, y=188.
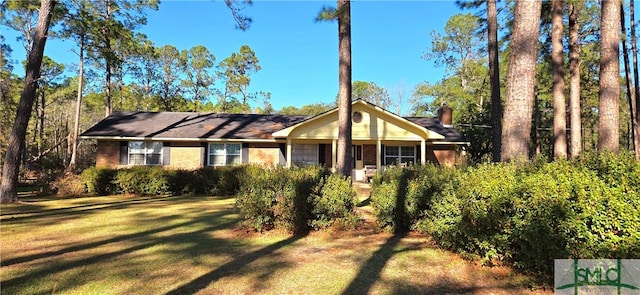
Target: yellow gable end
x=374, y=124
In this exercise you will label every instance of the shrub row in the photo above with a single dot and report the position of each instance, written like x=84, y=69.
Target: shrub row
x=295, y=199
x=522, y=213
x=145, y=180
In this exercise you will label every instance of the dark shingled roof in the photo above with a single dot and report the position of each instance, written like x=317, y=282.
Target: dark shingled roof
x=433, y=124
x=191, y=125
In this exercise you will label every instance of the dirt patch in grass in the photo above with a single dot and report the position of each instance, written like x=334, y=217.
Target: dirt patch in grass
x=185, y=245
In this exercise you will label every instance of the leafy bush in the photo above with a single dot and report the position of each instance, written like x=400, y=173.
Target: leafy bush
x=143, y=180
x=486, y=206
x=295, y=199
x=183, y=182
x=228, y=179
x=385, y=192
x=620, y=170
x=204, y=181
x=147, y=180
x=99, y=181
x=526, y=214
x=426, y=182
x=400, y=196
x=278, y=197
x=333, y=203
x=256, y=198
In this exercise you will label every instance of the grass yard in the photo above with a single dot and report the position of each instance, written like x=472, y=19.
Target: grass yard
x=186, y=245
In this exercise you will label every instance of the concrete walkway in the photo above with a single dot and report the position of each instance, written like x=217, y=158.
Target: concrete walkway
x=363, y=192
x=363, y=189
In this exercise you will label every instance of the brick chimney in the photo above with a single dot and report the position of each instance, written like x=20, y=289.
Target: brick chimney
x=445, y=115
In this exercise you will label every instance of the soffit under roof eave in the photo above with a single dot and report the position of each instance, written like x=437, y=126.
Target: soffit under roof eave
x=416, y=138
x=432, y=135
x=450, y=143
x=429, y=135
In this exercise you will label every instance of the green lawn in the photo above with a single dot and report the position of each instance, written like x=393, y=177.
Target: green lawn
x=186, y=245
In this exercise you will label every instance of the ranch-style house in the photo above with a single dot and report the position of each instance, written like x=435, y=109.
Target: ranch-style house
x=189, y=140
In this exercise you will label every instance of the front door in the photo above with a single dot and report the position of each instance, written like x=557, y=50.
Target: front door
x=356, y=157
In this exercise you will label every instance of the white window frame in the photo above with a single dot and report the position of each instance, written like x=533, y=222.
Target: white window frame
x=212, y=152
x=399, y=157
x=301, y=155
x=146, y=151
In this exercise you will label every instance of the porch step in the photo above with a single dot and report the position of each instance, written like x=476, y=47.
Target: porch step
x=363, y=189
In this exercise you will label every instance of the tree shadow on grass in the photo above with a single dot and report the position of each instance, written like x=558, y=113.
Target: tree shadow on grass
x=30, y=213
x=212, y=218
x=370, y=271
x=193, y=241
x=364, y=203
x=443, y=286
x=232, y=267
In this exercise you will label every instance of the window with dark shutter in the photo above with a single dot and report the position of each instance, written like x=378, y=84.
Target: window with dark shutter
x=124, y=153
x=145, y=153
x=225, y=154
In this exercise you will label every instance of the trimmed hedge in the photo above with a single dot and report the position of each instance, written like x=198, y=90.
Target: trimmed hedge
x=525, y=214
x=146, y=180
x=333, y=203
x=400, y=195
x=296, y=199
x=99, y=181
x=278, y=197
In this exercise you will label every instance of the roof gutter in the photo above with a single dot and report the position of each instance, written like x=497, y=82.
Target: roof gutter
x=450, y=142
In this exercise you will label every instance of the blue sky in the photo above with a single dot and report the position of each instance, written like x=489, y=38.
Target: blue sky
x=299, y=57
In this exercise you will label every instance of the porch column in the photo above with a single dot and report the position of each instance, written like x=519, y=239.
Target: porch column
x=334, y=157
x=288, y=153
x=423, y=152
x=378, y=155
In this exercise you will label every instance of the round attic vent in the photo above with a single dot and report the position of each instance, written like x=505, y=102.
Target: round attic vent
x=357, y=117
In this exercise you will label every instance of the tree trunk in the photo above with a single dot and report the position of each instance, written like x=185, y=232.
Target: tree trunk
x=41, y=118
x=574, y=82
x=76, y=127
x=627, y=72
x=107, y=96
x=535, y=135
x=521, y=81
x=494, y=78
x=609, y=93
x=8, y=191
x=36, y=122
x=108, y=60
x=559, y=103
x=343, y=161
x=634, y=50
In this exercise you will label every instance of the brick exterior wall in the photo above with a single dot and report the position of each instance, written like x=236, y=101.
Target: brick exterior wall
x=186, y=157
x=264, y=153
x=189, y=155
x=108, y=154
x=444, y=155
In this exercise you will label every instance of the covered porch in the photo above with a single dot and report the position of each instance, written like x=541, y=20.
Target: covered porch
x=367, y=155
x=379, y=139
